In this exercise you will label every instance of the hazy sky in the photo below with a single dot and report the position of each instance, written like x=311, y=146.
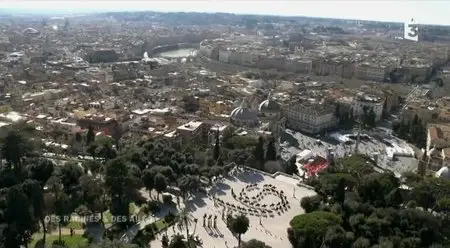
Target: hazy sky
x=425, y=12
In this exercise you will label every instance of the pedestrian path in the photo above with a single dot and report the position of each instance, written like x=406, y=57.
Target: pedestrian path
x=129, y=234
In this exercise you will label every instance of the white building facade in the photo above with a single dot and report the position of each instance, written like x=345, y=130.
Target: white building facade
x=309, y=118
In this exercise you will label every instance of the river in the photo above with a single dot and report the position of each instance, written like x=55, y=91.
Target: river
x=179, y=53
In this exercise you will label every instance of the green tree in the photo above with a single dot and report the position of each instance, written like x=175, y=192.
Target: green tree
x=78, y=137
x=177, y=242
x=19, y=217
x=165, y=241
x=308, y=230
x=148, y=180
x=254, y=243
x=311, y=203
x=116, y=134
x=271, y=151
x=111, y=244
x=121, y=184
x=94, y=195
x=94, y=166
x=291, y=165
x=15, y=147
x=336, y=237
x=63, y=209
x=443, y=205
x=337, y=111
x=259, y=152
x=41, y=169
x=34, y=191
x=184, y=220
x=70, y=174
x=160, y=183
x=216, y=151
x=240, y=225
x=90, y=136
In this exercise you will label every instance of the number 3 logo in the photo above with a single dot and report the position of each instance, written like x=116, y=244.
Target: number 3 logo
x=413, y=30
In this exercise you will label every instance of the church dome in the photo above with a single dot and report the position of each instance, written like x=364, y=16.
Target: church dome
x=243, y=113
x=30, y=31
x=443, y=173
x=269, y=106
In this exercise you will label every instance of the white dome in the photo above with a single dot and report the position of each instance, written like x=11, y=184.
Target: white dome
x=30, y=31
x=443, y=173
x=269, y=106
x=243, y=113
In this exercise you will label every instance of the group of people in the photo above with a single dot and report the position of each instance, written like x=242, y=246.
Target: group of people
x=252, y=205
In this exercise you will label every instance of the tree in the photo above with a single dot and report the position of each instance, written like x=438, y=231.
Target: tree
x=19, y=218
x=177, y=242
x=183, y=220
x=34, y=191
x=371, y=118
x=160, y=183
x=70, y=174
x=121, y=184
x=90, y=136
x=308, y=230
x=335, y=237
x=368, y=118
x=165, y=241
x=216, y=151
x=78, y=137
x=291, y=166
x=239, y=225
x=259, y=152
x=311, y=203
x=63, y=209
x=116, y=134
x=188, y=184
x=41, y=169
x=271, y=152
x=443, y=205
x=111, y=244
x=254, y=243
x=14, y=148
x=337, y=111
x=94, y=166
x=148, y=180
x=105, y=151
x=94, y=194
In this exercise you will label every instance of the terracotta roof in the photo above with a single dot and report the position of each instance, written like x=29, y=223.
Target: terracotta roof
x=433, y=133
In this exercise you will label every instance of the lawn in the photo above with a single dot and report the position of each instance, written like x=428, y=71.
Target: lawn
x=107, y=217
x=133, y=208
x=72, y=242
x=160, y=224
x=75, y=225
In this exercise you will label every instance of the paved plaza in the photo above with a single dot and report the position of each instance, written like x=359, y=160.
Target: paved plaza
x=294, y=142
x=269, y=203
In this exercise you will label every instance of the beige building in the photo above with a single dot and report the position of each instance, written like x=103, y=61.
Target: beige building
x=368, y=71
x=438, y=146
x=193, y=130
x=310, y=117
x=363, y=102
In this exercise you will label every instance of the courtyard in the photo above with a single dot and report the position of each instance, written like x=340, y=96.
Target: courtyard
x=377, y=143
x=269, y=203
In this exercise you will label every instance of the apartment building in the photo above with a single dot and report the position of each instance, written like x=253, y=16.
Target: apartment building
x=364, y=102
x=194, y=131
x=372, y=72
x=310, y=117
x=99, y=123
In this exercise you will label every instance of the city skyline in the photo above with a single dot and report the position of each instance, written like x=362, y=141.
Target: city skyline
x=424, y=12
